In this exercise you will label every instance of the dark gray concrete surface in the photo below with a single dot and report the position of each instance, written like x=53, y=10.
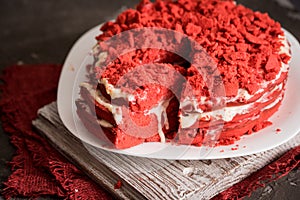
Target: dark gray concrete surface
x=43, y=32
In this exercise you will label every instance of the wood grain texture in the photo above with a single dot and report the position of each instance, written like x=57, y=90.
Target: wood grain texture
x=145, y=178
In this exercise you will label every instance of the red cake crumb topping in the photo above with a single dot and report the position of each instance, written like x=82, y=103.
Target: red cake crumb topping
x=244, y=44
x=143, y=91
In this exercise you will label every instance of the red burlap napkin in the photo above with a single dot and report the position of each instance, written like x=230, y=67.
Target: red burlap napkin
x=38, y=169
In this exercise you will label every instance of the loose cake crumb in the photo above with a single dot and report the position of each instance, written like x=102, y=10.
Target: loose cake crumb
x=118, y=185
x=278, y=130
x=71, y=68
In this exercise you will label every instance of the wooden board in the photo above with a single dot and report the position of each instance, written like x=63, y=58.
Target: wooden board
x=144, y=178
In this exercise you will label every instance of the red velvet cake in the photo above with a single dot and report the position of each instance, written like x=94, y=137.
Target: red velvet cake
x=143, y=95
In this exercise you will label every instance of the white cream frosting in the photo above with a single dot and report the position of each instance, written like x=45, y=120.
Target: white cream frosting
x=161, y=111
x=116, y=92
x=104, y=123
x=114, y=109
x=226, y=113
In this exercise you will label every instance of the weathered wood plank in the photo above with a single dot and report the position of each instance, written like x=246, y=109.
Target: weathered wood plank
x=153, y=178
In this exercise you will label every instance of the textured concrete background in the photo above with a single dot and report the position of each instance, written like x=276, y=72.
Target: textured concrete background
x=44, y=31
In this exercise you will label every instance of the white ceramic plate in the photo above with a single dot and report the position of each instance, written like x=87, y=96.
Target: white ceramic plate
x=286, y=119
